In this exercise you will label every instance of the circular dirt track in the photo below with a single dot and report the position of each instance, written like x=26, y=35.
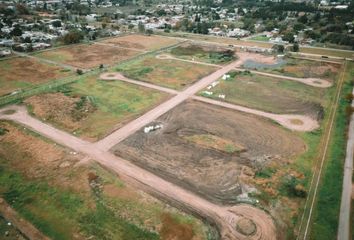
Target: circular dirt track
x=246, y=222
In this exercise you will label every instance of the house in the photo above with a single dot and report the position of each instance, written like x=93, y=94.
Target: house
x=5, y=52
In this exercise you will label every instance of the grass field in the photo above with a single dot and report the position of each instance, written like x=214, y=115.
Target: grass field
x=22, y=72
x=328, y=52
x=203, y=53
x=92, y=108
x=260, y=38
x=326, y=212
x=168, y=73
x=270, y=94
x=64, y=201
x=142, y=42
x=87, y=55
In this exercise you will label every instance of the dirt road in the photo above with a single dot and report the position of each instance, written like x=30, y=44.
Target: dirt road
x=236, y=222
x=290, y=121
x=120, y=77
x=293, y=122
x=122, y=133
x=315, y=82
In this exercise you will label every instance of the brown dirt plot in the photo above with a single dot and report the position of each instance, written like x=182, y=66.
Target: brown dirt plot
x=141, y=42
x=88, y=56
x=215, y=174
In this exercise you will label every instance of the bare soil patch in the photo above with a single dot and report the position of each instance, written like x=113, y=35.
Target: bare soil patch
x=142, y=42
x=22, y=72
x=217, y=175
x=88, y=56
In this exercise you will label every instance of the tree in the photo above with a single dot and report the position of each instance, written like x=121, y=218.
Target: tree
x=278, y=48
x=130, y=26
x=72, y=37
x=141, y=27
x=16, y=31
x=295, y=47
x=56, y=23
x=149, y=31
x=22, y=9
x=289, y=36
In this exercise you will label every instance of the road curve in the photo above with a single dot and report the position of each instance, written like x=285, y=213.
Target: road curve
x=291, y=121
x=257, y=225
x=314, y=82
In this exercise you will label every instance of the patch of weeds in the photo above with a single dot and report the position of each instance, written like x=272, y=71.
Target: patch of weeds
x=3, y=131
x=293, y=187
x=265, y=172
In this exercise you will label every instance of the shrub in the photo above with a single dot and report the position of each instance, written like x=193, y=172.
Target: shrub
x=294, y=188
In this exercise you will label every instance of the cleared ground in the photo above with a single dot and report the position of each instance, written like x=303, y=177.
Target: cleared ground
x=165, y=72
x=92, y=108
x=210, y=150
x=66, y=200
x=22, y=72
x=142, y=42
x=88, y=55
x=203, y=53
x=299, y=68
x=270, y=94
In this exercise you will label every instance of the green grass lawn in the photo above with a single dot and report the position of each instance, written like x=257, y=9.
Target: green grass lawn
x=260, y=38
x=167, y=73
x=115, y=103
x=271, y=94
x=326, y=212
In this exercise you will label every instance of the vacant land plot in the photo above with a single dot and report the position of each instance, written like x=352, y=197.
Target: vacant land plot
x=222, y=40
x=142, y=42
x=302, y=68
x=328, y=52
x=66, y=200
x=203, y=53
x=270, y=94
x=22, y=72
x=92, y=108
x=209, y=150
x=165, y=72
x=88, y=55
